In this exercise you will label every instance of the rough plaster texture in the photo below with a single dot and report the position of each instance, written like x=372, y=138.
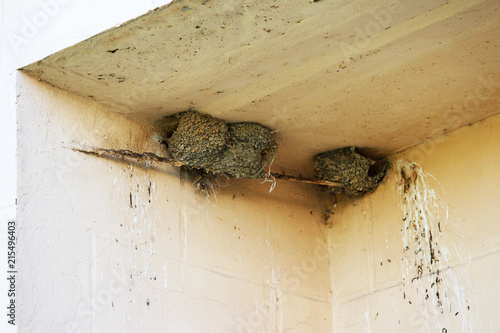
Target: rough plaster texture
x=258, y=262
x=325, y=74
x=119, y=248
x=133, y=249
x=7, y=156
x=31, y=30
x=458, y=194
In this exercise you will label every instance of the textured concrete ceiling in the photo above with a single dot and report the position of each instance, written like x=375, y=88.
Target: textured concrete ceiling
x=382, y=75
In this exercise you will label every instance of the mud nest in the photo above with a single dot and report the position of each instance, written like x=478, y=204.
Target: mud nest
x=206, y=143
x=355, y=172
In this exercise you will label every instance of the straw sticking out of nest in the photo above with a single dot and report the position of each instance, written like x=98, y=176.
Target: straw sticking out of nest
x=207, y=143
x=350, y=169
x=242, y=150
x=150, y=157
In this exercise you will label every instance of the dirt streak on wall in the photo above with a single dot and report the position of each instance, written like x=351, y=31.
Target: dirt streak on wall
x=427, y=280
x=422, y=253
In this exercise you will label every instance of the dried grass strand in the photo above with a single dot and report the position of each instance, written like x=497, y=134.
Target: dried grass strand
x=151, y=157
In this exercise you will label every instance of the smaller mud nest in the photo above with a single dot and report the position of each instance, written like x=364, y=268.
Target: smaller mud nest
x=207, y=143
x=350, y=169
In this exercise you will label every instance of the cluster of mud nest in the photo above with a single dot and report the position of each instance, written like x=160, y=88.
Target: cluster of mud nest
x=240, y=150
x=206, y=143
x=355, y=173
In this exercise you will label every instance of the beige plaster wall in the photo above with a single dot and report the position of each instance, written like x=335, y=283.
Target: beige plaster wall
x=112, y=247
x=108, y=246
x=445, y=221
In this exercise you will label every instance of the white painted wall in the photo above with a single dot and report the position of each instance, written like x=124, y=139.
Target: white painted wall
x=170, y=261
x=110, y=247
x=455, y=197
x=29, y=31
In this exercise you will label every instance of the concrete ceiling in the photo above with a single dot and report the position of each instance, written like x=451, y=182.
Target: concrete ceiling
x=383, y=75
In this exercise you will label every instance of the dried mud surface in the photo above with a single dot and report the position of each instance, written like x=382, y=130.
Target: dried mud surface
x=204, y=142
x=349, y=168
